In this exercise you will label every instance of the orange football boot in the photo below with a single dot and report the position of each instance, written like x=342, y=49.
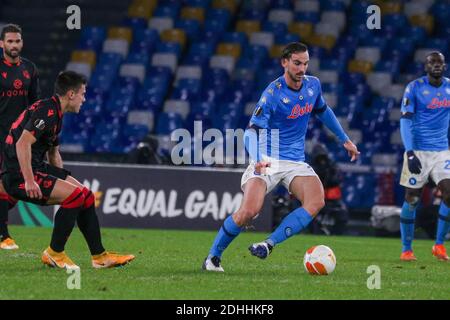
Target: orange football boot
x=110, y=259
x=58, y=260
x=408, y=256
x=439, y=252
x=8, y=244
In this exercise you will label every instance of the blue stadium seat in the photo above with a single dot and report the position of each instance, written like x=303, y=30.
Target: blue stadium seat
x=135, y=23
x=287, y=38
x=253, y=14
x=92, y=37
x=187, y=89
x=332, y=5
x=190, y=26
x=169, y=10
x=144, y=40
x=169, y=47
x=168, y=122
x=138, y=58
x=235, y=37
x=281, y=4
x=277, y=28
x=312, y=17
x=197, y=3
x=199, y=54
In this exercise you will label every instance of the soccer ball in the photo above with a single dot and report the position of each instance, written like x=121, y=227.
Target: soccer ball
x=319, y=260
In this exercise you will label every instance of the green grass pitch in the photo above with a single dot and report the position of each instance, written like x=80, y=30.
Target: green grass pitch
x=168, y=264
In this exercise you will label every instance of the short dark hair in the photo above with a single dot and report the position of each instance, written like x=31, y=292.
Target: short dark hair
x=293, y=47
x=13, y=28
x=435, y=53
x=68, y=80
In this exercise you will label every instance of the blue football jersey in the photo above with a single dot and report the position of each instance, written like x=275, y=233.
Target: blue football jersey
x=287, y=111
x=430, y=106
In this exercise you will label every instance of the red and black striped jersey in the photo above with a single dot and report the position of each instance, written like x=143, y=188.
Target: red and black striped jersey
x=19, y=88
x=43, y=120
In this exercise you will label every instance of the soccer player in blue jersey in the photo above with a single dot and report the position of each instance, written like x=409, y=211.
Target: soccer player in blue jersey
x=284, y=108
x=424, y=128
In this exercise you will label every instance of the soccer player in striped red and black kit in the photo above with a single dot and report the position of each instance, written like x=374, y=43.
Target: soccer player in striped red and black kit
x=19, y=87
x=28, y=177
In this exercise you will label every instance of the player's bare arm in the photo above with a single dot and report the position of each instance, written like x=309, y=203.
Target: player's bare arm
x=23, y=149
x=54, y=157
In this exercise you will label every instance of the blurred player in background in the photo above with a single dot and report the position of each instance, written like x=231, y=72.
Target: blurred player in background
x=286, y=106
x=19, y=87
x=424, y=128
x=27, y=177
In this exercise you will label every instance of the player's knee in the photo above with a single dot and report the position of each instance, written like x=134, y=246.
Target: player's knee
x=75, y=200
x=245, y=215
x=89, y=198
x=412, y=199
x=313, y=207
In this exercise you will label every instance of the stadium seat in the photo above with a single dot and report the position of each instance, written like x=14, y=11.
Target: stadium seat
x=229, y=49
x=174, y=35
x=84, y=56
x=120, y=33
x=303, y=29
x=116, y=46
x=133, y=70
x=187, y=71
x=180, y=107
x=281, y=15
x=142, y=8
x=80, y=67
x=168, y=122
x=165, y=60
x=223, y=62
x=248, y=26
x=265, y=39
x=92, y=38
x=307, y=6
x=194, y=13
x=161, y=23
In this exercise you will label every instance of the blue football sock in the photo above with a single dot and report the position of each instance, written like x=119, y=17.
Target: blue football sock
x=407, y=218
x=292, y=224
x=226, y=234
x=443, y=223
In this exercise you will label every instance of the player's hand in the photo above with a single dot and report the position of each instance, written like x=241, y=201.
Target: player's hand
x=352, y=150
x=414, y=164
x=260, y=167
x=33, y=190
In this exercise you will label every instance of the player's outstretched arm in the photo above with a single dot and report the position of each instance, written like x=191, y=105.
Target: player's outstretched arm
x=327, y=116
x=23, y=150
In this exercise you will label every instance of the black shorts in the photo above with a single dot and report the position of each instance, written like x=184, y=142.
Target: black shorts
x=45, y=177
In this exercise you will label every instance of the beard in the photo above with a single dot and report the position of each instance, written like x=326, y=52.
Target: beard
x=294, y=77
x=12, y=53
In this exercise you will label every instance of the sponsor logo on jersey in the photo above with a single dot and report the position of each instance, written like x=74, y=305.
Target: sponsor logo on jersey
x=50, y=113
x=298, y=111
x=436, y=103
x=17, y=84
x=310, y=92
x=26, y=74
